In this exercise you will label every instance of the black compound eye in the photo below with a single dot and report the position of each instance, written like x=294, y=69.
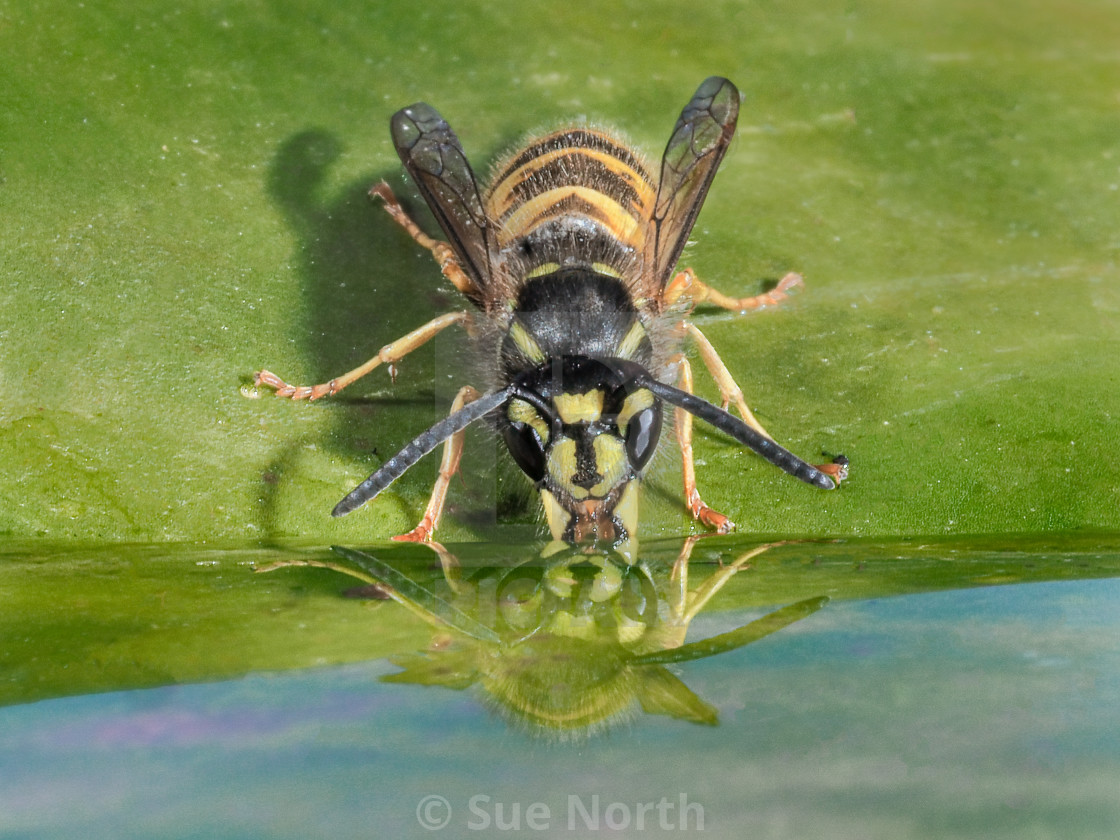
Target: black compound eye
x=642, y=433
x=526, y=448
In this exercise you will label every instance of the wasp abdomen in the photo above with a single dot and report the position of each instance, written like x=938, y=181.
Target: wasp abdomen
x=580, y=187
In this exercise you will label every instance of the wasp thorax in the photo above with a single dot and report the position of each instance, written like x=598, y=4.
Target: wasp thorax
x=583, y=431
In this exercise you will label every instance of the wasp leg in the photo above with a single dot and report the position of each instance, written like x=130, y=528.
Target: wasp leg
x=318, y=564
x=687, y=285
x=699, y=599
x=389, y=354
x=708, y=516
x=449, y=465
x=679, y=576
x=444, y=255
x=685, y=604
x=729, y=390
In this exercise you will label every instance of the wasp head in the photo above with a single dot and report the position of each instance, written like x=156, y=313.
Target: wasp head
x=583, y=429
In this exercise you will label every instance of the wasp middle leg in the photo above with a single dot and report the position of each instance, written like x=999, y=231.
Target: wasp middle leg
x=388, y=355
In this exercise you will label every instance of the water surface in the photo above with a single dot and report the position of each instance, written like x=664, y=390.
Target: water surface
x=986, y=711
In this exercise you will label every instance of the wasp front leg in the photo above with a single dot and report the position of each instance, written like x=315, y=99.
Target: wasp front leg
x=700, y=511
x=390, y=354
x=687, y=285
x=449, y=465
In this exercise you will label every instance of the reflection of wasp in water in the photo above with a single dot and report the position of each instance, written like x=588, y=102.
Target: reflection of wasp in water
x=564, y=645
x=569, y=257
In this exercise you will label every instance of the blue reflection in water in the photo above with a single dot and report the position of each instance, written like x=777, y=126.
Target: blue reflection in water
x=992, y=712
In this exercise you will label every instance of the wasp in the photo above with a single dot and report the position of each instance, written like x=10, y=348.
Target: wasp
x=569, y=258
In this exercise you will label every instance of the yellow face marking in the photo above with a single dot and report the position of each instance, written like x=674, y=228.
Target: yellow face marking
x=562, y=466
x=579, y=408
x=543, y=269
x=555, y=515
x=611, y=215
x=638, y=401
x=630, y=343
x=526, y=343
x=520, y=411
x=627, y=508
x=610, y=462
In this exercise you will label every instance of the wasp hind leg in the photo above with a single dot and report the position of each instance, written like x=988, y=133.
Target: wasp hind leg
x=389, y=355
x=700, y=510
x=687, y=285
x=449, y=465
x=443, y=253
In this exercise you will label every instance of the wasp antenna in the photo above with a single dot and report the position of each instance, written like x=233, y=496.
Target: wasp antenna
x=728, y=423
x=396, y=466
x=757, y=629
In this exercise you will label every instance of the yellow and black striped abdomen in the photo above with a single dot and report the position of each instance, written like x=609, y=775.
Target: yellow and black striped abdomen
x=573, y=196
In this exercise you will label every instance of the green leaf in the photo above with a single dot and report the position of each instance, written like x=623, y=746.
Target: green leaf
x=185, y=203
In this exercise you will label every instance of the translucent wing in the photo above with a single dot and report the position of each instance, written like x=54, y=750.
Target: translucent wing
x=699, y=140
x=434, y=158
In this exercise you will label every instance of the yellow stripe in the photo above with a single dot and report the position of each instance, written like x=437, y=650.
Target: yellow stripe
x=609, y=270
x=630, y=343
x=611, y=462
x=501, y=196
x=627, y=511
x=613, y=215
x=526, y=343
x=520, y=411
x=542, y=269
x=562, y=466
x=557, y=517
